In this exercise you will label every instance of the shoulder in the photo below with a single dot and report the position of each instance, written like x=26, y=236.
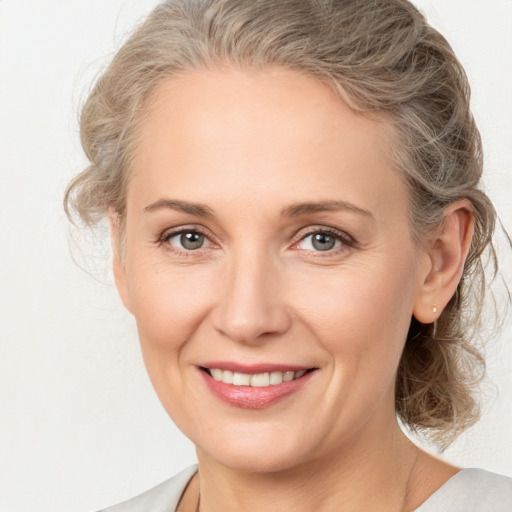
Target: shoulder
x=162, y=498
x=472, y=490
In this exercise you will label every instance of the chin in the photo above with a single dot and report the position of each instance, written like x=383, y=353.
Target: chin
x=255, y=461
x=254, y=452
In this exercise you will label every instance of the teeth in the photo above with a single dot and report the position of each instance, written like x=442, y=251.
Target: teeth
x=260, y=380
x=241, y=379
x=288, y=376
x=216, y=374
x=276, y=378
x=256, y=380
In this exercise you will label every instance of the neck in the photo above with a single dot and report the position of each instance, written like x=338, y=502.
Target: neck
x=369, y=473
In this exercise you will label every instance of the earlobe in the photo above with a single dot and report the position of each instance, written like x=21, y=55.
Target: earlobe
x=118, y=265
x=446, y=255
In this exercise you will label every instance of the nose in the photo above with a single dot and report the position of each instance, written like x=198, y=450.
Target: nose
x=249, y=308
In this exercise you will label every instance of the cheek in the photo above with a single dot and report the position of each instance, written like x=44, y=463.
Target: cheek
x=361, y=319
x=360, y=313
x=168, y=306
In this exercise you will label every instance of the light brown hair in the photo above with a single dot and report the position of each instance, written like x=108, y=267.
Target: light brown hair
x=383, y=58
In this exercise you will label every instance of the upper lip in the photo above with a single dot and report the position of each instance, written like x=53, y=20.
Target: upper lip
x=254, y=368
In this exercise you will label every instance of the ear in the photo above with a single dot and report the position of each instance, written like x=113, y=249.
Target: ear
x=118, y=264
x=445, y=256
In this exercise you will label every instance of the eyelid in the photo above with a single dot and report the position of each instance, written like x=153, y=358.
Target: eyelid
x=345, y=239
x=169, y=233
x=192, y=228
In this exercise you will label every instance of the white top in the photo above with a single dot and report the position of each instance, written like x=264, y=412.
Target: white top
x=470, y=490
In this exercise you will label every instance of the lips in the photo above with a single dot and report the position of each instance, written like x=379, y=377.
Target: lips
x=256, y=386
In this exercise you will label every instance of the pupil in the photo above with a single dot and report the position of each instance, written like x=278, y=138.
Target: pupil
x=191, y=240
x=323, y=242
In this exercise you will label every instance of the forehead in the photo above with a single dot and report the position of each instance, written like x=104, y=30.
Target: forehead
x=253, y=131
x=231, y=105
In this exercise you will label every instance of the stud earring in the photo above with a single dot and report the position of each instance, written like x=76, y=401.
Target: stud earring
x=434, y=309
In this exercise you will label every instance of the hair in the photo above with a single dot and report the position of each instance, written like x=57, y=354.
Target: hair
x=382, y=58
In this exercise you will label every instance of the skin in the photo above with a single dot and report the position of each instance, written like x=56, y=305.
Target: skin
x=248, y=146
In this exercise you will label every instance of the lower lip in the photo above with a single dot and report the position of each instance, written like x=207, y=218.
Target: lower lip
x=248, y=397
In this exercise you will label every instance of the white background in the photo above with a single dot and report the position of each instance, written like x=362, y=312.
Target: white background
x=80, y=427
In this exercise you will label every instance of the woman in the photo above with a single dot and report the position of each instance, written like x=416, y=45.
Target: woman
x=297, y=228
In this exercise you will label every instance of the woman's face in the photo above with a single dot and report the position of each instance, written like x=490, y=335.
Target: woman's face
x=267, y=234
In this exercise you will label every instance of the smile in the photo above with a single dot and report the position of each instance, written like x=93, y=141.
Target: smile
x=256, y=380
x=256, y=389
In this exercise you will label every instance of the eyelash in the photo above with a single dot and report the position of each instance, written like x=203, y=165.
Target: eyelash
x=167, y=235
x=346, y=240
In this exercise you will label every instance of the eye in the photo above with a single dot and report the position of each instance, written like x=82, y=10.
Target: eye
x=321, y=241
x=186, y=240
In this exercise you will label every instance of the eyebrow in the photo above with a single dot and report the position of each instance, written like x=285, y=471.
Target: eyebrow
x=197, y=209
x=294, y=210
x=298, y=209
